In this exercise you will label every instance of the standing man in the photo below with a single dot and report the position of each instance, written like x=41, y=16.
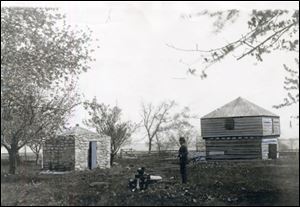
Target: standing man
x=183, y=159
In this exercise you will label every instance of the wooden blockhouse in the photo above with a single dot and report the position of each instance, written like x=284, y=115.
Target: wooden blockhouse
x=240, y=130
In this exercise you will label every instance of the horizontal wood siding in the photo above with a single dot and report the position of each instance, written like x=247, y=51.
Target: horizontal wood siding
x=271, y=126
x=233, y=149
x=243, y=126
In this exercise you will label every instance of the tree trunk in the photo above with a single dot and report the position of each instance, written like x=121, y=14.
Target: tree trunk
x=37, y=156
x=18, y=157
x=150, y=146
x=13, y=159
x=112, y=156
x=158, y=144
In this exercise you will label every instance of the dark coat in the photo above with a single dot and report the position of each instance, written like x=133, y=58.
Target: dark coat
x=183, y=154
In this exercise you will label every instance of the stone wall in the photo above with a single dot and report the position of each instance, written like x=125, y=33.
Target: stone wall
x=82, y=147
x=59, y=154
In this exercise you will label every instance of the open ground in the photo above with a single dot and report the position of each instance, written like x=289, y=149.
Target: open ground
x=260, y=183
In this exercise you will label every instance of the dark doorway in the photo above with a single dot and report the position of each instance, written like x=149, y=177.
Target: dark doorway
x=92, y=158
x=272, y=151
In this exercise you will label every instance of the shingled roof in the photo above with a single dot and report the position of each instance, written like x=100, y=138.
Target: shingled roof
x=238, y=108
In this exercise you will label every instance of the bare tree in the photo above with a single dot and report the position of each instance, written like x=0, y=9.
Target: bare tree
x=36, y=147
x=107, y=121
x=180, y=126
x=154, y=119
x=187, y=131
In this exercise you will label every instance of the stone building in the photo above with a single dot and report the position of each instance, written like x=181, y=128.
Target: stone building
x=76, y=149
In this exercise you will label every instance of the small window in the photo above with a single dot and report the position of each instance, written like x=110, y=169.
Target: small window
x=229, y=124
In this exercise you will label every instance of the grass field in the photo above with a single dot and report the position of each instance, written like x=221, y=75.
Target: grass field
x=212, y=183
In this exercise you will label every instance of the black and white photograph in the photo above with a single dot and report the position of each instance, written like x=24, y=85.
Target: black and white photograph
x=149, y=103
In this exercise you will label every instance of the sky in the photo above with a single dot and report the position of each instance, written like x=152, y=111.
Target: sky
x=134, y=65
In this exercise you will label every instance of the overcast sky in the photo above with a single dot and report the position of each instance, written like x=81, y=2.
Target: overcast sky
x=134, y=64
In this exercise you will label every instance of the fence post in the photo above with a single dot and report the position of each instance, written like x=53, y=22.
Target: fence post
x=25, y=152
x=42, y=158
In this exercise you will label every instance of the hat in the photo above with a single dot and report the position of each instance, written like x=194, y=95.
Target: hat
x=181, y=139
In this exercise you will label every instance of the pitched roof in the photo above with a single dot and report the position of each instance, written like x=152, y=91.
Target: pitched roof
x=237, y=108
x=77, y=130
